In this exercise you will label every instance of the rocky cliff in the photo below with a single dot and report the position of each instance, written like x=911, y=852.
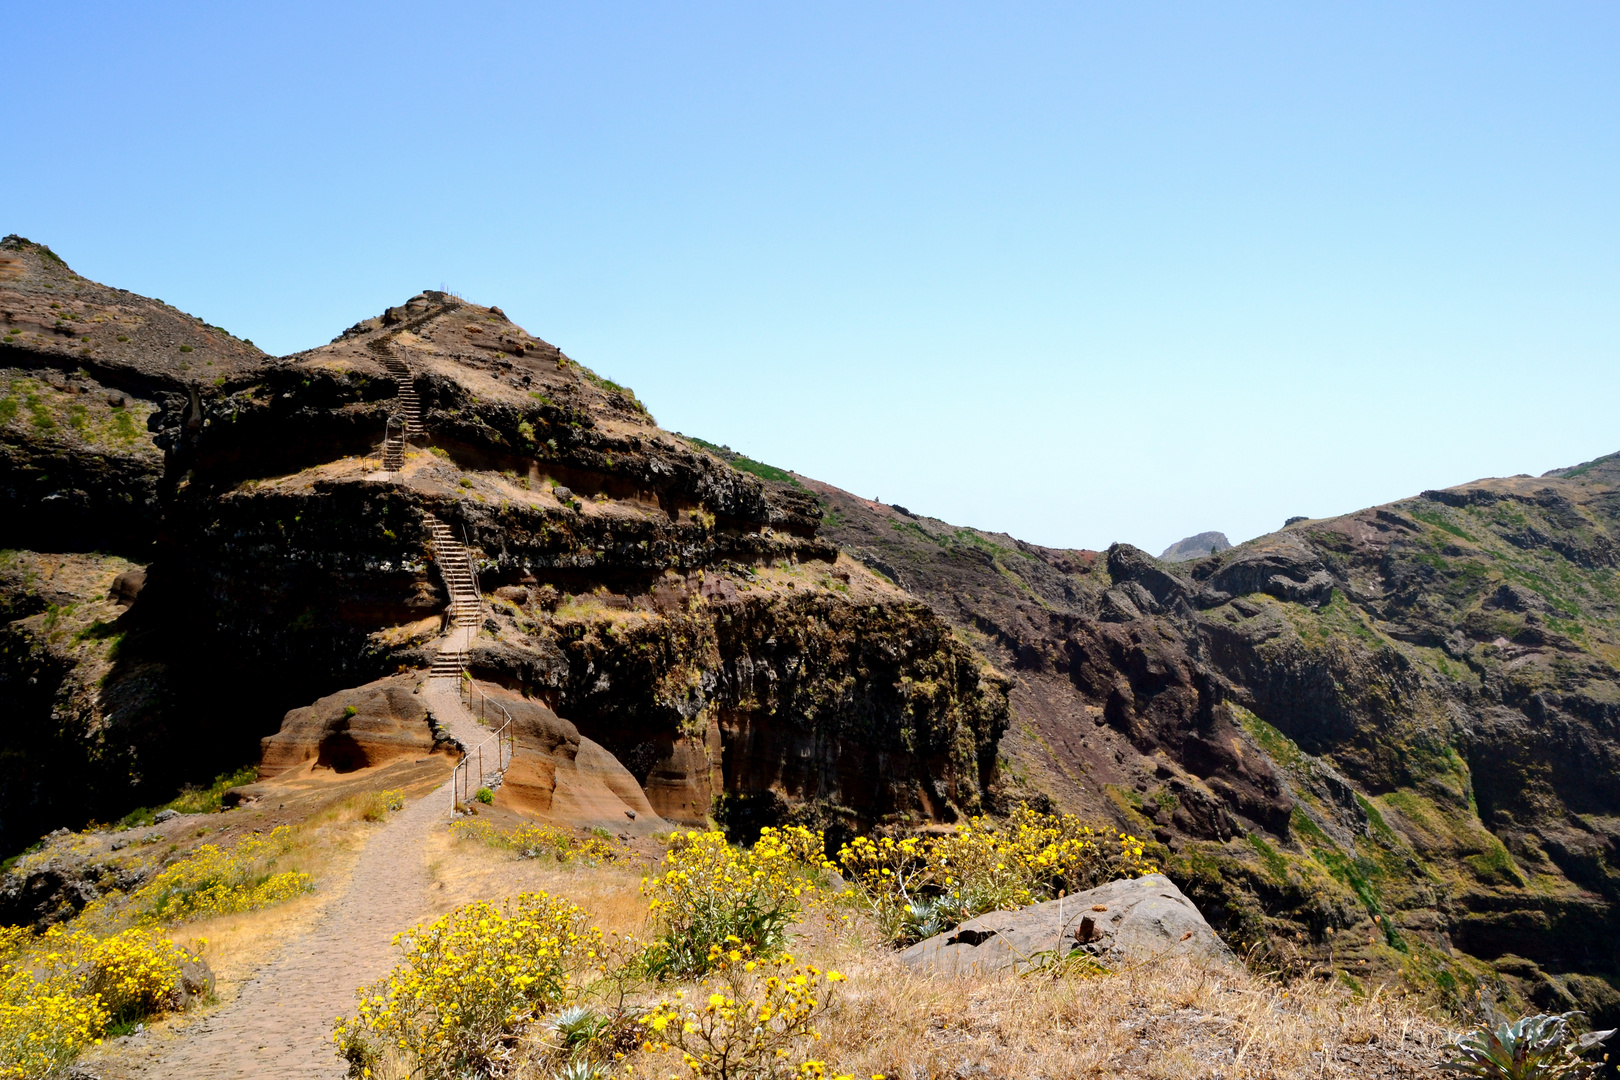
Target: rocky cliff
x=674, y=610
x=1386, y=741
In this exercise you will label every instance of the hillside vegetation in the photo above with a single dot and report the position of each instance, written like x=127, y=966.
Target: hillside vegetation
x=1385, y=742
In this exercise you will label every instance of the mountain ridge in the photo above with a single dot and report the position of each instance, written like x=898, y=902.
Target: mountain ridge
x=1384, y=741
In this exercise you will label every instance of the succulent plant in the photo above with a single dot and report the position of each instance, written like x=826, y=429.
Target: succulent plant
x=1539, y=1047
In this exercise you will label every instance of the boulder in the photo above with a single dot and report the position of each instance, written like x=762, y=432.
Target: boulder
x=562, y=777
x=195, y=984
x=1135, y=920
x=351, y=729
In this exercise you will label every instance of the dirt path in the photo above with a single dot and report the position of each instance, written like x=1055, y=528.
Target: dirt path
x=280, y=1024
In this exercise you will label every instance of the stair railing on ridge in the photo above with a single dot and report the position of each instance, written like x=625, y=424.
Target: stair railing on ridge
x=472, y=568
x=503, y=737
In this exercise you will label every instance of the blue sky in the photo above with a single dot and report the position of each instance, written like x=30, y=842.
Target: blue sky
x=1078, y=272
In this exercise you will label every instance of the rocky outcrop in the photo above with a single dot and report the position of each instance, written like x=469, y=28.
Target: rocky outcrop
x=360, y=728
x=558, y=776
x=52, y=888
x=102, y=393
x=1130, y=921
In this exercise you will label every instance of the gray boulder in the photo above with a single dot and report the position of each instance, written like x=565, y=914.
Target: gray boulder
x=1136, y=920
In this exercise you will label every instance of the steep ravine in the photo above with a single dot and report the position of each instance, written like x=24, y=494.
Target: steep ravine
x=1386, y=741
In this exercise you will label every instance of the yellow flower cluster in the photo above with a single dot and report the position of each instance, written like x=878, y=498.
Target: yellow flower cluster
x=469, y=984
x=917, y=884
x=540, y=841
x=44, y=1026
x=135, y=973
x=708, y=892
x=59, y=990
x=377, y=805
x=751, y=1022
x=214, y=881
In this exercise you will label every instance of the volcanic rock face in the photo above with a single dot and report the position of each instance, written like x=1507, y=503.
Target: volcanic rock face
x=352, y=729
x=101, y=393
x=1388, y=738
x=680, y=617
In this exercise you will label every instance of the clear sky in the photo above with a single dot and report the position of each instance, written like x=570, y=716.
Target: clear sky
x=1078, y=272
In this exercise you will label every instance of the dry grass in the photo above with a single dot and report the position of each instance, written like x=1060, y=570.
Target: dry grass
x=1172, y=1020
x=464, y=872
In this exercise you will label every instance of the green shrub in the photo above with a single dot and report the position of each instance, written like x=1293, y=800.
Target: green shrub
x=708, y=896
x=191, y=800
x=485, y=796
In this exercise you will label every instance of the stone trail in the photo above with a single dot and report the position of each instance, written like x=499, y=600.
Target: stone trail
x=280, y=1024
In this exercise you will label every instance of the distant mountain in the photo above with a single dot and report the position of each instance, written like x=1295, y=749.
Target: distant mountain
x=1196, y=547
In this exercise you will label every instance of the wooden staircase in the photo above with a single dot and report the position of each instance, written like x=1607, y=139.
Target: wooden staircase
x=461, y=581
x=410, y=408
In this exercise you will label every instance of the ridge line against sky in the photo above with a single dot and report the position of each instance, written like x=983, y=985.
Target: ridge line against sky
x=1070, y=272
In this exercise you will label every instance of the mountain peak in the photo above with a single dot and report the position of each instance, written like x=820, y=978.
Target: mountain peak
x=1196, y=547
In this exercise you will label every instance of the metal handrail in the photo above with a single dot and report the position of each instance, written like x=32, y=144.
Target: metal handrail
x=503, y=738
x=472, y=568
